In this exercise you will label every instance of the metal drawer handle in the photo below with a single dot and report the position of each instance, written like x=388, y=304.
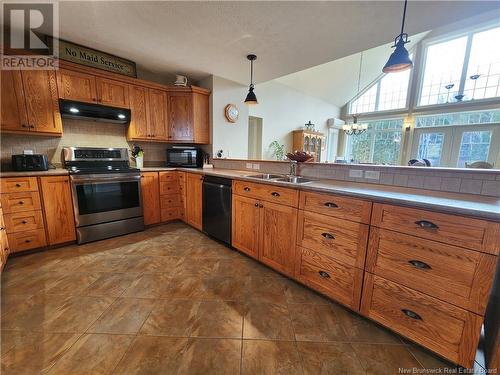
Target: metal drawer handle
x=18, y=185
x=2, y=228
x=246, y=188
x=424, y=224
x=324, y=274
x=331, y=205
x=21, y=202
x=419, y=264
x=27, y=241
x=24, y=222
x=261, y=205
x=411, y=314
x=256, y=205
x=328, y=236
x=275, y=194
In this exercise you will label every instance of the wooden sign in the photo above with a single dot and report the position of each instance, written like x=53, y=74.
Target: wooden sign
x=96, y=59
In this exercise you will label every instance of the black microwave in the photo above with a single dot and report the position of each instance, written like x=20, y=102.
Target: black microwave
x=185, y=157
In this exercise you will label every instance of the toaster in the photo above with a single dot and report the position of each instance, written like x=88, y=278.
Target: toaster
x=30, y=162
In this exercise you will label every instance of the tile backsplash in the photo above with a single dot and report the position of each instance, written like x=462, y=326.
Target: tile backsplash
x=77, y=133
x=470, y=181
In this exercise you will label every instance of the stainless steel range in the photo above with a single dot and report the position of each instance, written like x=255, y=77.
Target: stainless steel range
x=106, y=192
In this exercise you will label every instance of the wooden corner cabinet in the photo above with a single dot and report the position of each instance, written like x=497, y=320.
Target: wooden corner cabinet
x=30, y=102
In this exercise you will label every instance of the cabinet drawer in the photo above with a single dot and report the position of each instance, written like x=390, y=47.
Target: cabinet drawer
x=452, y=274
x=268, y=193
x=169, y=176
x=340, y=239
x=333, y=205
x=18, y=202
x=26, y=240
x=170, y=201
x=334, y=279
x=21, y=221
x=19, y=184
x=170, y=214
x=465, y=232
x=169, y=187
x=445, y=329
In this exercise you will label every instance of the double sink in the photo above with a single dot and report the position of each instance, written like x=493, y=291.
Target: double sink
x=281, y=178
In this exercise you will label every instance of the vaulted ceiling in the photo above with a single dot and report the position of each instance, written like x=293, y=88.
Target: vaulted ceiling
x=211, y=37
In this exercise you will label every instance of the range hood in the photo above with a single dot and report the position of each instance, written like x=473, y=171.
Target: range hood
x=96, y=112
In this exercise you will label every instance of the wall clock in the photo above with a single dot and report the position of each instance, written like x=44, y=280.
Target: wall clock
x=231, y=112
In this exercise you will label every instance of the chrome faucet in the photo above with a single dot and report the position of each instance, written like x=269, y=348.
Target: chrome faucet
x=293, y=167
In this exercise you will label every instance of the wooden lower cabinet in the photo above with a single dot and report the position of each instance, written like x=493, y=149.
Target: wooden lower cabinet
x=58, y=209
x=245, y=225
x=27, y=240
x=150, y=192
x=443, y=328
x=194, y=200
x=278, y=232
x=326, y=275
x=4, y=242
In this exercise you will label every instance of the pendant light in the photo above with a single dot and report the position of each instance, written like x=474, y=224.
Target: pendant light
x=251, y=98
x=399, y=59
x=355, y=128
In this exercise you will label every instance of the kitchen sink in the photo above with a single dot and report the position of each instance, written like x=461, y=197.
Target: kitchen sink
x=295, y=179
x=266, y=176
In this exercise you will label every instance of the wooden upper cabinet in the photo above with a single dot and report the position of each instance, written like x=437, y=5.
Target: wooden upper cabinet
x=158, y=114
x=194, y=200
x=112, y=93
x=138, y=128
x=201, y=118
x=13, y=107
x=42, y=106
x=180, y=119
x=150, y=191
x=245, y=225
x=58, y=209
x=278, y=232
x=77, y=86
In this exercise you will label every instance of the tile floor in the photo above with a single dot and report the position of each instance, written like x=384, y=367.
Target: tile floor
x=171, y=301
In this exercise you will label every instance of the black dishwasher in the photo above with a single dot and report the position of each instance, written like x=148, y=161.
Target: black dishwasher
x=217, y=208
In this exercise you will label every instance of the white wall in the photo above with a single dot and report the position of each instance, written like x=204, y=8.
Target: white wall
x=284, y=109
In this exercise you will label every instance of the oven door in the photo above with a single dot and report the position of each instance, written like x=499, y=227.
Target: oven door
x=101, y=198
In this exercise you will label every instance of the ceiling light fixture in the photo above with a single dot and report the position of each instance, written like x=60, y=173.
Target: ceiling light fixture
x=74, y=110
x=251, y=98
x=355, y=128
x=399, y=59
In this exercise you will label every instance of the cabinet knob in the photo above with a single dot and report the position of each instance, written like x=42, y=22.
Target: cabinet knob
x=24, y=222
x=411, y=314
x=27, y=241
x=324, y=275
x=246, y=188
x=261, y=205
x=18, y=185
x=21, y=202
x=328, y=236
x=424, y=224
x=275, y=194
x=2, y=228
x=24, y=126
x=331, y=205
x=419, y=264
x=256, y=205
x=32, y=126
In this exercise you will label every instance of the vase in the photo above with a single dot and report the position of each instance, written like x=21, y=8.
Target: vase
x=139, y=162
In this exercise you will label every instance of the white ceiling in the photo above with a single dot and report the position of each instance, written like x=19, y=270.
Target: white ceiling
x=203, y=38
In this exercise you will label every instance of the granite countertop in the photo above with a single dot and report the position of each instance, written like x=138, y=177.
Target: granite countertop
x=456, y=203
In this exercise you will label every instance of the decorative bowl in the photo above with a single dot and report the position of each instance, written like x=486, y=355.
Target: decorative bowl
x=299, y=156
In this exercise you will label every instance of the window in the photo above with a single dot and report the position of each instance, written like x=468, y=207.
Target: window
x=390, y=92
x=459, y=118
x=380, y=144
x=474, y=146
x=430, y=147
x=464, y=68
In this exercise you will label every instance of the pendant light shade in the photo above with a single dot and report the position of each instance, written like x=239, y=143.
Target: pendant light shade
x=251, y=98
x=400, y=58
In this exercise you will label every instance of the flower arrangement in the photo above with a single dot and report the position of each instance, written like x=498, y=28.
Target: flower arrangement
x=278, y=150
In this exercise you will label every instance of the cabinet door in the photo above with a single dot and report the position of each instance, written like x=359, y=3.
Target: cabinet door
x=77, y=86
x=180, y=121
x=138, y=128
x=158, y=114
x=245, y=225
x=150, y=197
x=201, y=121
x=42, y=107
x=13, y=109
x=112, y=93
x=278, y=232
x=4, y=243
x=58, y=209
x=194, y=200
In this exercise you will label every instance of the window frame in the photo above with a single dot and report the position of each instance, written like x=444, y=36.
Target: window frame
x=426, y=43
